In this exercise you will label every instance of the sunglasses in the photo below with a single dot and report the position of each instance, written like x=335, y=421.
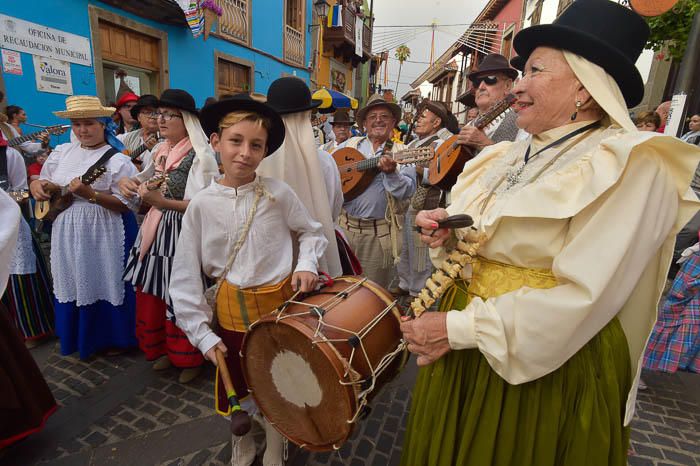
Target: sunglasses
x=489, y=80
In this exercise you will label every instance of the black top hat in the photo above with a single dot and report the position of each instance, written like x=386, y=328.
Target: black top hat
x=212, y=115
x=177, y=98
x=290, y=95
x=146, y=100
x=601, y=31
x=494, y=63
x=342, y=116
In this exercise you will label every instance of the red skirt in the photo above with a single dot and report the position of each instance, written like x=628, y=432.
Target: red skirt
x=159, y=336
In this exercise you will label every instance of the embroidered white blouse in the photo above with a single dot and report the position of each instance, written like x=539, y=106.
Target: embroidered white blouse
x=212, y=225
x=603, y=217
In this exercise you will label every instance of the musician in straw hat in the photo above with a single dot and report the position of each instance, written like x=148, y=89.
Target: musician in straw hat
x=375, y=240
x=535, y=356
x=89, y=240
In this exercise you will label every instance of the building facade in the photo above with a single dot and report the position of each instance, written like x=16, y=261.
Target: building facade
x=87, y=41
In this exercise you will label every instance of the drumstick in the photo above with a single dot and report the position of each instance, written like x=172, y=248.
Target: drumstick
x=240, y=421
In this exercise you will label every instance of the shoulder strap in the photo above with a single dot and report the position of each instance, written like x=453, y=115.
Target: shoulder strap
x=388, y=146
x=101, y=161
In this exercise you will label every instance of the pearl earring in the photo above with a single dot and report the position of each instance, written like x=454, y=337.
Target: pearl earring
x=575, y=114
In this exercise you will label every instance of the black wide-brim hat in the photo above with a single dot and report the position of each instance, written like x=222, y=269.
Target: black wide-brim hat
x=493, y=63
x=290, y=95
x=212, y=114
x=601, y=31
x=178, y=98
x=146, y=100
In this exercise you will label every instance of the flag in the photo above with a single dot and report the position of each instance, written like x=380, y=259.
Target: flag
x=335, y=18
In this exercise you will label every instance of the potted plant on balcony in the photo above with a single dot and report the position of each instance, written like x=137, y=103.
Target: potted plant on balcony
x=211, y=11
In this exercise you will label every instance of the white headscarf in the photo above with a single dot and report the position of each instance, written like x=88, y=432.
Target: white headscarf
x=296, y=163
x=204, y=167
x=602, y=87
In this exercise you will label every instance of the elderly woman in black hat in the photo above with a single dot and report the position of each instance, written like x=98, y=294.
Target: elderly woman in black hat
x=535, y=357
x=183, y=165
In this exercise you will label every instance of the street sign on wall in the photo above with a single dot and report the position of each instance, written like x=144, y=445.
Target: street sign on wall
x=35, y=39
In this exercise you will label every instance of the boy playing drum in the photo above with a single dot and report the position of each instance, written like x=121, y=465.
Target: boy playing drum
x=240, y=231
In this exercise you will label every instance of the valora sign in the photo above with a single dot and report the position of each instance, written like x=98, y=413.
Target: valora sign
x=35, y=39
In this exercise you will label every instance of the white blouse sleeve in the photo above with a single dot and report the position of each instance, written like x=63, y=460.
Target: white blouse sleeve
x=193, y=314
x=124, y=169
x=49, y=167
x=16, y=170
x=528, y=333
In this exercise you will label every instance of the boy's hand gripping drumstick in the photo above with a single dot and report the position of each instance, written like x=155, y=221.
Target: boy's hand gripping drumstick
x=240, y=421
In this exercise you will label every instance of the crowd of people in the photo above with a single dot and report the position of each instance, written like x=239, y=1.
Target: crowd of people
x=182, y=226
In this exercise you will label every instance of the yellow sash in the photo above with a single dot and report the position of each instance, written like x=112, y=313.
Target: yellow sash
x=237, y=308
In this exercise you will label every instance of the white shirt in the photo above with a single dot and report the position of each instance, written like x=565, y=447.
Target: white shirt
x=27, y=146
x=331, y=177
x=16, y=170
x=212, y=225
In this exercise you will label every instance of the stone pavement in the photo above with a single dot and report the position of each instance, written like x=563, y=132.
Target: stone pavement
x=118, y=411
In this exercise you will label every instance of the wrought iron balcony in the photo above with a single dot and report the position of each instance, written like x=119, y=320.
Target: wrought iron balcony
x=341, y=39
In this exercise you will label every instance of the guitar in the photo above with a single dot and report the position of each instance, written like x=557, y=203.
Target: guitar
x=357, y=172
x=55, y=130
x=134, y=154
x=450, y=157
x=62, y=198
x=19, y=195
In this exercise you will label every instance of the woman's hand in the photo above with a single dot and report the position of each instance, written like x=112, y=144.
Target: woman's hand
x=304, y=281
x=211, y=352
x=426, y=336
x=77, y=187
x=128, y=187
x=154, y=198
x=41, y=189
x=430, y=234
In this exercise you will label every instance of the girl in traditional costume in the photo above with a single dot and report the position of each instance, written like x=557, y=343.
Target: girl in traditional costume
x=89, y=240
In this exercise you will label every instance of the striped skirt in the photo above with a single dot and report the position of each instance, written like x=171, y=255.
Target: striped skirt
x=28, y=299
x=152, y=274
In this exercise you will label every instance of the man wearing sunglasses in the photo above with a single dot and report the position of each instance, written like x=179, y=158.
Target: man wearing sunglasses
x=492, y=81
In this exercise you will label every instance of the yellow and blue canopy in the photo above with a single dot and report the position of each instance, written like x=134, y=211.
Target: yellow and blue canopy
x=332, y=100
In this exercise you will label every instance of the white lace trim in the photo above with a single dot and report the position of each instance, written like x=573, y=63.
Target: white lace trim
x=24, y=260
x=87, y=255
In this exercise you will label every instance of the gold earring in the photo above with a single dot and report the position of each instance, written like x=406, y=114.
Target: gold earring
x=575, y=114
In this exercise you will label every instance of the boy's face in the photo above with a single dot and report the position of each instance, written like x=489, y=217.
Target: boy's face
x=242, y=147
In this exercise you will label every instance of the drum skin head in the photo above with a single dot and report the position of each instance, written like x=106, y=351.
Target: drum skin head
x=300, y=381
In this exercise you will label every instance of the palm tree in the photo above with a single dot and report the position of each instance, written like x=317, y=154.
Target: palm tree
x=402, y=54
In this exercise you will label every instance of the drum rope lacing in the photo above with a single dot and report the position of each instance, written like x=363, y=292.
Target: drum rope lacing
x=355, y=340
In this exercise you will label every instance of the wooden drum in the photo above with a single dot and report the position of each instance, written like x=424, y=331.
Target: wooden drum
x=313, y=365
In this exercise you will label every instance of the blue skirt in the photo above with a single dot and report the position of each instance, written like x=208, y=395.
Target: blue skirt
x=101, y=325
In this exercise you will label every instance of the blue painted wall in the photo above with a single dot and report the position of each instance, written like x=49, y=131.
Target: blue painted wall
x=191, y=60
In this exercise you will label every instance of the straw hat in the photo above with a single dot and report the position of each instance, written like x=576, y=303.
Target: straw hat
x=84, y=106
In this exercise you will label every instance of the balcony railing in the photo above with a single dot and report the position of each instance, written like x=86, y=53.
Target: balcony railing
x=341, y=39
x=234, y=21
x=293, y=46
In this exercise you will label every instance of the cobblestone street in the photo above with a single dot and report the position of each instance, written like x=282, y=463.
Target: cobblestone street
x=117, y=410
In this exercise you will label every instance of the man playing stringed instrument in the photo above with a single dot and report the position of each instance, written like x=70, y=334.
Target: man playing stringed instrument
x=145, y=138
x=374, y=239
x=493, y=81
x=434, y=124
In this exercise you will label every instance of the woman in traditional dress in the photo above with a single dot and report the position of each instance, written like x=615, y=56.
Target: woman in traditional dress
x=185, y=164
x=90, y=239
x=535, y=357
x=28, y=294
x=25, y=399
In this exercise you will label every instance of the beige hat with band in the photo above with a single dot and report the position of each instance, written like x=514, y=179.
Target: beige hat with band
x=84, y=106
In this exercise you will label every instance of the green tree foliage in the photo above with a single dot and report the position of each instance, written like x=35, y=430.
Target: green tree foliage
x=671, y=29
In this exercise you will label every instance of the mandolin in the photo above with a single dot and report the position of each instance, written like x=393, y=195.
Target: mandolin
x=62, y=198
x=450, y=157
x=134, y=154
x=357, y=172
x=55, y=130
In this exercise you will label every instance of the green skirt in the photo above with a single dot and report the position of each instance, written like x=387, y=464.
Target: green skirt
x=464, y=413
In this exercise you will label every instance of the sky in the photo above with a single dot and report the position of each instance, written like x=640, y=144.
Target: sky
x=451, y=16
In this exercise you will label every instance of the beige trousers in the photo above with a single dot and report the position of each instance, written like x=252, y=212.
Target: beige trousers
x=370, y=240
